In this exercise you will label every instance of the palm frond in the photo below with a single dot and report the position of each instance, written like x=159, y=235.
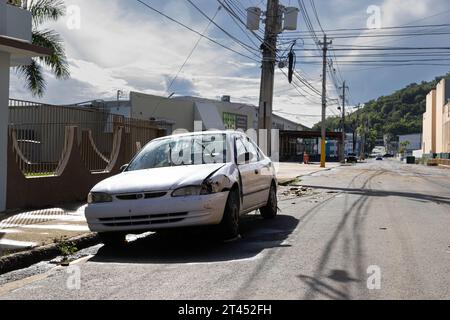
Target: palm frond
x=45, y=10
x=57, y=62
x=34, y=78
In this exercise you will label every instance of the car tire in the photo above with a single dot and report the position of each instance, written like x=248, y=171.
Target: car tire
x=112, y=238
x=229, y=226
x=271, y=209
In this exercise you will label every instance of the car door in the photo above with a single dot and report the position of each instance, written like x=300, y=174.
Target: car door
x=247, y=175
x=263, y=173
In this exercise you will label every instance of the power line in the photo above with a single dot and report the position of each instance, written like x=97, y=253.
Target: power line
x=349, y=36
x=377, y=29
x=193, y=49
x=187, y=59
x=194, y=31
x=241, y=43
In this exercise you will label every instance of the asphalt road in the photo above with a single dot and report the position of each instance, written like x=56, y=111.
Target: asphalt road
x=383, y=221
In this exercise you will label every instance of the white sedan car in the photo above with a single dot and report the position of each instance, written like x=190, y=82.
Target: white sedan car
x=195, y=179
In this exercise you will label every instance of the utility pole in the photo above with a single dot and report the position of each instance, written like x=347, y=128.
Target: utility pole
x=355, y=128
x=342, y=149
x=323, y=152
x=363, y=147
x=273, y=22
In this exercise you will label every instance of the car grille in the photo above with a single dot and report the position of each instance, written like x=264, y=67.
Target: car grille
x=143, y=219
x=136, y=196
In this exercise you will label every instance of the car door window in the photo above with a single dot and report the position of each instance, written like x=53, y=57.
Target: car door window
x=240, y=150
x=252, y=150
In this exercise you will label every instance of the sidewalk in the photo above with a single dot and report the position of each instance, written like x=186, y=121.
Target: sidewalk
x=289, y=171
x=29, y=229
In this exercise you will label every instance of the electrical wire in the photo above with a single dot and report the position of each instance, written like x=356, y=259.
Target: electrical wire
x=194, y=31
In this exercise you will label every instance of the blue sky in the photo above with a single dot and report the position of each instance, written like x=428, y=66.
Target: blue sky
x=123, y=45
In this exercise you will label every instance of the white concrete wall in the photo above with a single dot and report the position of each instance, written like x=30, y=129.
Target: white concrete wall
x=3, y=17
x=18, y=23
x=4, y=96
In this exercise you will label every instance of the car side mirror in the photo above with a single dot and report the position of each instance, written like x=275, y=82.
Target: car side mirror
x=245, y=157
x=124, y=167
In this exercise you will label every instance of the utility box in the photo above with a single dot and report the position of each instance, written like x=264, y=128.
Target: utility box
x=253, y=18
x=290, y=18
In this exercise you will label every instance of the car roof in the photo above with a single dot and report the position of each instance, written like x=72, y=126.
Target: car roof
x=187, y=134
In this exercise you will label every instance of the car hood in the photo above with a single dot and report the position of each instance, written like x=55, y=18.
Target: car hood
x=157, y=179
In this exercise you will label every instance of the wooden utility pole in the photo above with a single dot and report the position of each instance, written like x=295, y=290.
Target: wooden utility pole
x=323, y=152
x=273, y=24
x=355, y=128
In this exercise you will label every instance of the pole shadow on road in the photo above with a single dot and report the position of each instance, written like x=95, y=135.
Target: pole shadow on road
x=200, y=245
x=381, y=193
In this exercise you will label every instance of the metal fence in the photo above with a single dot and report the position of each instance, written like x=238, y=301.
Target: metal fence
x=40, y=134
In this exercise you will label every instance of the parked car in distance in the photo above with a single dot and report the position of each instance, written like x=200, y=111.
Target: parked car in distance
x=351, y=158
x=379, y=158
x=196, y=179
x=388, y=155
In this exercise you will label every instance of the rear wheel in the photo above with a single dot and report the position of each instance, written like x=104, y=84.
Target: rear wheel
x=112, y=238
x=271, y=209
x=229, y=227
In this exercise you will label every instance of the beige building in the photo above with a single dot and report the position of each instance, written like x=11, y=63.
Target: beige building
x=429, y=125
x=446, y=128
x=436, y=120
x=183, y=112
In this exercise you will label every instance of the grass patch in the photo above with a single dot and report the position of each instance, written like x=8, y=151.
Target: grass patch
x=67, y=249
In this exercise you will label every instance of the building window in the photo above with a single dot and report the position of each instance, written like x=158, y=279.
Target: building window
x=233, y=121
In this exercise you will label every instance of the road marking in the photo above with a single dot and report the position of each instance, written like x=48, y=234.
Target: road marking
x=11, y=286
x=82, y=260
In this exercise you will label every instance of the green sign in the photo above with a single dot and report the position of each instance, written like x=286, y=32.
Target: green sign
x=233, y=121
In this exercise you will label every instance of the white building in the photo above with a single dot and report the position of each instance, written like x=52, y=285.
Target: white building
x=15, y=49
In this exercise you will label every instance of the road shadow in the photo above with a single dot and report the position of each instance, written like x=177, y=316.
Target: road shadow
x=329, y=290
x=380, y=193
x=200, y=245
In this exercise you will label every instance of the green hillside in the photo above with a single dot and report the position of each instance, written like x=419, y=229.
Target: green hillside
x=397, y=114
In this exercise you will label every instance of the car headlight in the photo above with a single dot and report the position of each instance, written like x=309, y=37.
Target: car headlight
x=189, y=191
x=207, y=187
x=99, y=197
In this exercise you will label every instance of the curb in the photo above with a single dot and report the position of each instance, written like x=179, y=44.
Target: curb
x=26, y=259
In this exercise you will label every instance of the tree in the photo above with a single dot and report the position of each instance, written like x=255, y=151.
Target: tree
x=43, y=11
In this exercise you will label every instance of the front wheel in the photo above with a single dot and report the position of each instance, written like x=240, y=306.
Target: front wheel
x=271, y=209
x=229, y=226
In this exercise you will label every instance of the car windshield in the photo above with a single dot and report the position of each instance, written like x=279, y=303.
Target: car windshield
x=181, y=151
